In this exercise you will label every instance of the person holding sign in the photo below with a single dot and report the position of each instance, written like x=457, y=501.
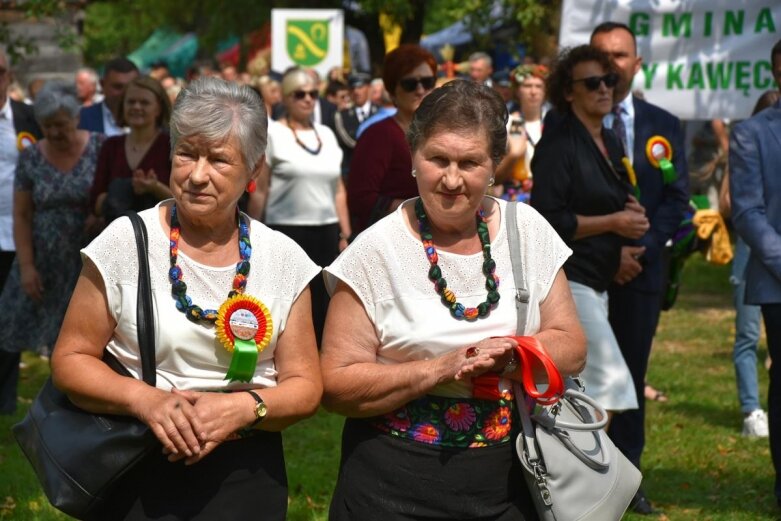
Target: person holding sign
x=235, y=347
x=654, y=146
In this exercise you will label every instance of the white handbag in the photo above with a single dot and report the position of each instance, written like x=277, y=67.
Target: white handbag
x=573, y=470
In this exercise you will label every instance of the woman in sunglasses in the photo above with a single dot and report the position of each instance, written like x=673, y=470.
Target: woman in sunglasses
x=306, y=197
x=583, y=189
x=380, y=170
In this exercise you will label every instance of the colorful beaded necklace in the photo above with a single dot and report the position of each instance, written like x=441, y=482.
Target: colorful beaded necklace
x=179, y=288
x=435, y=272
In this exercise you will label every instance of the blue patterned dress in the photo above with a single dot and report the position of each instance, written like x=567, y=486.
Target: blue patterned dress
x=60, y=201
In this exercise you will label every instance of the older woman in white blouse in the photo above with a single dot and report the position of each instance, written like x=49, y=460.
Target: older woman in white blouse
x=222, y=423
x=399, y=352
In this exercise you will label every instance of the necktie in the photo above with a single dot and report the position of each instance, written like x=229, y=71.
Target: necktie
x=618, y=126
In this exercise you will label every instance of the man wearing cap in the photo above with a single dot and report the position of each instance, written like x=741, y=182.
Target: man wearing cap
x=18, y=129
x=347, y=121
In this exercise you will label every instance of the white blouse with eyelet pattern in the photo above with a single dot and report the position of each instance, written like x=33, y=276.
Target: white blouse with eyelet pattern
x=387, y=269
x=188, y=355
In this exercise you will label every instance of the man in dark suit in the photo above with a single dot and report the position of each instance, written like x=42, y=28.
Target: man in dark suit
x=635, y=296
x=755, y=191
x=347, y=121
x=18, y=129
x=101, y=117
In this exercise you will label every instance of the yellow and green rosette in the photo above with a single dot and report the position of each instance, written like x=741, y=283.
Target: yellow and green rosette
x=660, y=155
x=244, y=328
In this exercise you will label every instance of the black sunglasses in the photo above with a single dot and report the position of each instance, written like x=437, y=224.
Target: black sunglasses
x=301, y=94
x=410, y=84
x=592, y=82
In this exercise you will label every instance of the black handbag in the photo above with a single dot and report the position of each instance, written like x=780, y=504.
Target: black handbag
x=80, y=457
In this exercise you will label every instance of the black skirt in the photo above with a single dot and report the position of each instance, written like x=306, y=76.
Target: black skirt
x=241, y=479
x=382, y=477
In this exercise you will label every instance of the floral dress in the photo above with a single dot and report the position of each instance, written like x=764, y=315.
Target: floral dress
x=60, y=207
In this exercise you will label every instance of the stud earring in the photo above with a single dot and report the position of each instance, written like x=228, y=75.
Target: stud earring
x=251, y=186
x=414, y=173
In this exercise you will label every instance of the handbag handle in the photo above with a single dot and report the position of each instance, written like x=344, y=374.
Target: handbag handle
x=553, y=421
x=145, y=320
x=530, y=353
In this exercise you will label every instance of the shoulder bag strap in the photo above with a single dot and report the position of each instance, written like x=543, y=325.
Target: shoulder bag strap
x=514, y=240
x=145, y=320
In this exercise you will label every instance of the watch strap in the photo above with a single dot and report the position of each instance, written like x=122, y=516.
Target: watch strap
x=258, y=401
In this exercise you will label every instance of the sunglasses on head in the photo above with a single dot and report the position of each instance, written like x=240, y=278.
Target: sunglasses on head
x=592, y=82
x=301, y=94
x=411, y=84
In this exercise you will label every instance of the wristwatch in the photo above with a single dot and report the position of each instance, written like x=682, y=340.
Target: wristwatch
x=260, y=408
x=512, y=365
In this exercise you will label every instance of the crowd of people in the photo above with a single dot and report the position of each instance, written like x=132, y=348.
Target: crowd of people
x=398, y=189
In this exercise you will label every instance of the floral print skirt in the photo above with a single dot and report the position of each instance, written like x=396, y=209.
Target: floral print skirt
x=451, y=422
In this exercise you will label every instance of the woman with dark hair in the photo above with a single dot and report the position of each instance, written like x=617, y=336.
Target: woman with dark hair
x=51, y=190
x=134, y=168
x=421, y=441
x=583, y=189
x=380, y=170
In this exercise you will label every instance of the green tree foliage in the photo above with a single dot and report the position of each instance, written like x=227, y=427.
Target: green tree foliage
x=116, y=28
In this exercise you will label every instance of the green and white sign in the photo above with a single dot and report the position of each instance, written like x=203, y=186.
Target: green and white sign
x=702, y=59
x=307, y=38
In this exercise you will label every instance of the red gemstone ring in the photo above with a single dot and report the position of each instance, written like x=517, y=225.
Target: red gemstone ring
x=472, y=352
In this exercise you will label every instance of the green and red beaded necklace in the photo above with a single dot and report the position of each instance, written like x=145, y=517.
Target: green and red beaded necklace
x=457, y=309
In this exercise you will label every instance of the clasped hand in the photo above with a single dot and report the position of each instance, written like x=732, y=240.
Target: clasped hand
x=143, y=182
x=490, y=354
x=631, y=222
x=192, y=424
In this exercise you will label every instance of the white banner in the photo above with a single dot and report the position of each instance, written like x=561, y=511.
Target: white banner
x=310, y=38
x=702, y=59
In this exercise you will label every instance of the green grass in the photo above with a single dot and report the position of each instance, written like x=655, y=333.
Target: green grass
x=696, y=465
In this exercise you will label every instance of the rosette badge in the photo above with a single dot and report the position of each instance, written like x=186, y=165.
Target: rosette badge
x=660, y=155
x=244, y=327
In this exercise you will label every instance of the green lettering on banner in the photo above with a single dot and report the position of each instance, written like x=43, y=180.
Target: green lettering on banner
x=674, y=80
x=717, y=78
x=733, y=22
x=708, y=24
x=762, y=82
x=640, y=24
x=765, y=20
x=696, y=79
x=672, y=26
x=649, y=71
x=743, y=76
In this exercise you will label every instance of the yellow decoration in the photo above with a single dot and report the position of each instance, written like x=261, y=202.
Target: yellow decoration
x=656, y=148
x=225, y=331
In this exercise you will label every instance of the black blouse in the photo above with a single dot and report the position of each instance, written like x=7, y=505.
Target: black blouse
x=572, y=177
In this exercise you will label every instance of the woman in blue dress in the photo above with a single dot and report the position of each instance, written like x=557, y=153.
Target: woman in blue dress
x=51, y=192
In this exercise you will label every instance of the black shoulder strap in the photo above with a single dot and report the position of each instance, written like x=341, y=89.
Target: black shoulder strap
x=145, y=319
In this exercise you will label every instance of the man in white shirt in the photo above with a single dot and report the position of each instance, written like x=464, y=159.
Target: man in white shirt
x=18, y=129
x=101, y=117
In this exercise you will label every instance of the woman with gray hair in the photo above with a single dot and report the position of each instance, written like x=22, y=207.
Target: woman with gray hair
x=51, y=193
x=416, y=351
x=222, y=395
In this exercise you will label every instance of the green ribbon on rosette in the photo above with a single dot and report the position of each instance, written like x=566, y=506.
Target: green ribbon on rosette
x=243, y=361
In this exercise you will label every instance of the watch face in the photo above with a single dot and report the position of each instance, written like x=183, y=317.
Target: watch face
x=261, y=410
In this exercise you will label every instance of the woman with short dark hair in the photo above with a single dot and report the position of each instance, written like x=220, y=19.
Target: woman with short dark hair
x=379, y=177
x=583, y=189
x=422, y=303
